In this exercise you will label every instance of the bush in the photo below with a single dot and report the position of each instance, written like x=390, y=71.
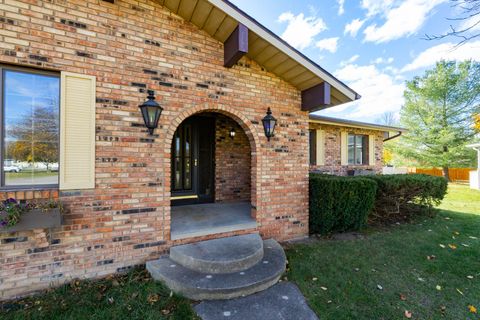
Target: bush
x=339, y=203
x=401, y=196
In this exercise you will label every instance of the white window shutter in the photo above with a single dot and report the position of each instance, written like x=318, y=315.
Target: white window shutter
x=371, y=150
x=344, y=148
x=77, y=131
x=320, y=147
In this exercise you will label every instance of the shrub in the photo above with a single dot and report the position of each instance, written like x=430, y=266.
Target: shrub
x=339, y=203
x=401, y=196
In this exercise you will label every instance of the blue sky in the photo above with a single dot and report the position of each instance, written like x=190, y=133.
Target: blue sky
x=372, y=45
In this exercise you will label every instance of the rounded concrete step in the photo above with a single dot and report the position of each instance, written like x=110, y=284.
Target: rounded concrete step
x=203, y=286
x=225, y=255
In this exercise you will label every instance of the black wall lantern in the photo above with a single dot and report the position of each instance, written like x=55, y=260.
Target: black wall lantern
x=232, y=133
x=151, y=112
x=269, y=123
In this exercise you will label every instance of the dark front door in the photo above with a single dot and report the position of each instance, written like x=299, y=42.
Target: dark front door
x=193, y=161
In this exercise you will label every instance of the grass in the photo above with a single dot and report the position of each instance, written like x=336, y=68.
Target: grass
x=130, y=296
x=388, y=272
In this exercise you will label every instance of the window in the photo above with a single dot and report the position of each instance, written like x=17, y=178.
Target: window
x=313, y=146
x=357, y=149
x=30, y=106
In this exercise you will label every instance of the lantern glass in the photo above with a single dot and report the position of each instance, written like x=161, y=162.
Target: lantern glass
x=151, y=112
x=269, y=123
x=232, y=133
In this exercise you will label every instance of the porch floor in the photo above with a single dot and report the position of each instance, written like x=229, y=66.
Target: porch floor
x=210, y=218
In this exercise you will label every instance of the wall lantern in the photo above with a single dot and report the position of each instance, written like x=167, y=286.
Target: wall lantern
x=269, y=123
x=232, y=133
x=151, y=112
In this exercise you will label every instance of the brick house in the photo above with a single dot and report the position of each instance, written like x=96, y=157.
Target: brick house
x=73, y=74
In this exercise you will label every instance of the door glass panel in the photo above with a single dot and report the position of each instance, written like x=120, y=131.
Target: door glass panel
x=188, y=174
x=177, y=174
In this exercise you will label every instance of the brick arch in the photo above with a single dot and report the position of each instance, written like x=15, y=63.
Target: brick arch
x=235, y=115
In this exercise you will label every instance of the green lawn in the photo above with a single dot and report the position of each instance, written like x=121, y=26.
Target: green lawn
x=389, y=272
x=131, y=296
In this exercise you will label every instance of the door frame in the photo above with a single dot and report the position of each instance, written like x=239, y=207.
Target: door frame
x=185, y=197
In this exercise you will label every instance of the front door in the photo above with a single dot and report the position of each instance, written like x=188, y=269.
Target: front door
x=193, y=161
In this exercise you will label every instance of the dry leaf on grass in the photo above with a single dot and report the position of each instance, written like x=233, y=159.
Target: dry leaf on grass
x=408, y=314
x=403, y=297
x=472, y=309
x=452, y=246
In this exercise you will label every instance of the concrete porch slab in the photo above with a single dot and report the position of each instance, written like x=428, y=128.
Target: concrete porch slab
x=282, y=301
x=211, y=218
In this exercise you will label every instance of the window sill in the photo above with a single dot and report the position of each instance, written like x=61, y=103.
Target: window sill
x=36, y=219
x=29, y=188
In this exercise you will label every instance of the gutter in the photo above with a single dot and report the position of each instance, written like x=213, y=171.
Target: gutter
x=393, y=137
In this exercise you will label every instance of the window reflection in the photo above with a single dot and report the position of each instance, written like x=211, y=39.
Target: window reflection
x=31, y=126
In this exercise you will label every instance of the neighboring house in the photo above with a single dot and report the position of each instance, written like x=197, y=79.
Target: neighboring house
x=344, y=147
x=76, y=72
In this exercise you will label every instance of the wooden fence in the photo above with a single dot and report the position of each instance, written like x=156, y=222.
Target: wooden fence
x=456, y=174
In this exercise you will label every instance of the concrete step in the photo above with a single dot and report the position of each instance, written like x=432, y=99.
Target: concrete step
x=203, y=286
x=225, y=255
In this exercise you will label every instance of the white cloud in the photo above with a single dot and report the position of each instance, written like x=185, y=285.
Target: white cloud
x=445, y=51
x=328, y=44
x=403, y=20
x=301, y=30
x=380, y=93
x=352, y=59
x=375, y=7
x=353, y=27
x=341, y=8
x=381, y=60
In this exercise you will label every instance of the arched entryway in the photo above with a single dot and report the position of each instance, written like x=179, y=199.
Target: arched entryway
x=212, y=174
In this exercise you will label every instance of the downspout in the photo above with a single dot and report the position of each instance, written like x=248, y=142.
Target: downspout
x=393, y=137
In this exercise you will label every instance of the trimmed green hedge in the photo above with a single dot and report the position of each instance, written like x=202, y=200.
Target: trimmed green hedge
x=401, y=196
x=346, y=203
x=339, y=203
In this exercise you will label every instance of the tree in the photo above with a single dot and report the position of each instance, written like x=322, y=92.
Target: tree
x=388, y=118
x=438, y=113
x=477, y=122
x=36, y=137
x=469, y=18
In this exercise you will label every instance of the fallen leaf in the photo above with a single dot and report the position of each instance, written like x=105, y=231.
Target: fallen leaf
x=470, y=277
x=421, y=279
x=379, y=287
x=152, y=298
x=438, y=287
x=452, y=246
x=472, y=309
x=324, y=288
x=314, y=279
x=457, y=233
x=465, y=245
x=472, y=237
x=408, y=314
x=403, y=297
x=442, y=246
x=432, y=257
x=458, y=290
x=443, y=309
x=111, y=300
x=329, y=301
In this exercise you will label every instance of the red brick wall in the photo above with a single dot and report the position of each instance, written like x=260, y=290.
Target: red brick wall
x=333, y=150
x=232, y=162
x=132, y=46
